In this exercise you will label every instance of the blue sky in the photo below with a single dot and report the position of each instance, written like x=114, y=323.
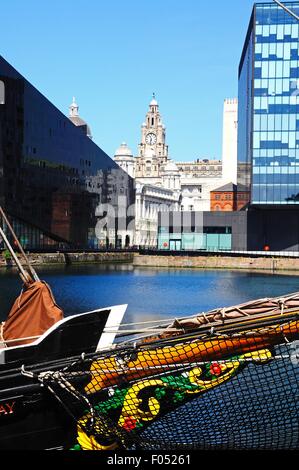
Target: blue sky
x=111, y=55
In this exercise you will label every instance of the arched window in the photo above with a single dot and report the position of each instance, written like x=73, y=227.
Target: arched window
x=2, y=92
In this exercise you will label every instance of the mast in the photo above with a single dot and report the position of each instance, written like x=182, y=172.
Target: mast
x=27, y=277
x=32, y=271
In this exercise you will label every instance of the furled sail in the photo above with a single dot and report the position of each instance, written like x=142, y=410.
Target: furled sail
x=33, y=312
x=246, y=312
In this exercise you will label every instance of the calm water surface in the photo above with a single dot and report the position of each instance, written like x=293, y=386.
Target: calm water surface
x=149, y=292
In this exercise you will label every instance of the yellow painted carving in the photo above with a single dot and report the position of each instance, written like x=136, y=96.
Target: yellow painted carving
x=258, y=356
x=131, y=406
x=229, y=366
x=89, y=442
x=208, y=384
x=132, y=403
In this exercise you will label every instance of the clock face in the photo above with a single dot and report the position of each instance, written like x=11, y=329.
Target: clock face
x=151, y=139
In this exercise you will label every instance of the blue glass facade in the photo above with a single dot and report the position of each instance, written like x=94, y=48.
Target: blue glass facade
x=268, y=143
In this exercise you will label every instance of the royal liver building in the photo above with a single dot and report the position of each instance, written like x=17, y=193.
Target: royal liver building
x=152, y=151
x=161, y=184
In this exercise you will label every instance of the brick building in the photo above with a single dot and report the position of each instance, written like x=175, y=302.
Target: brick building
x=228, y=198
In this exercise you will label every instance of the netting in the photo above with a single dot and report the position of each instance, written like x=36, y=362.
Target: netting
x=237, y=390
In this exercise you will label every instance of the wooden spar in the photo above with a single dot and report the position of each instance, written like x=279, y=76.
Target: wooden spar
x=32, y=271
x=26, y=278
x=198, y=350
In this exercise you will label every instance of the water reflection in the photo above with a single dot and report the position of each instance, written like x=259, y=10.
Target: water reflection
x=149, y=292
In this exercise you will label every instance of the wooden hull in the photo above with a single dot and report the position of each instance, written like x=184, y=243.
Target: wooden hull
x=131, y=389
x=154, y=360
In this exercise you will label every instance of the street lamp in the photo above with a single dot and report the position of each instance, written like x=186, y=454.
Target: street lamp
x=286, y=9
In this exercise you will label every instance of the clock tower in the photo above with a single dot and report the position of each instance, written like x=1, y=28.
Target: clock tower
x=152, y=151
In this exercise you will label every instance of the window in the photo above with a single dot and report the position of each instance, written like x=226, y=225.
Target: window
x=217, y=230
x=2, y=92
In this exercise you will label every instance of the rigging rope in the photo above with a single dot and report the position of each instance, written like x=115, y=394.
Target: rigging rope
x=230, y=391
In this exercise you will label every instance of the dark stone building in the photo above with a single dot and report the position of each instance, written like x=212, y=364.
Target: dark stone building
x=52, y=175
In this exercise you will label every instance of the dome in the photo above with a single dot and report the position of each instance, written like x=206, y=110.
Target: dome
x=171, y=167
x=123, y=151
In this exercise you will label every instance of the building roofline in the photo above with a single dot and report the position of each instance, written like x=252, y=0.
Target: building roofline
x=249, y=30
x=250, y=26
x=62, y=115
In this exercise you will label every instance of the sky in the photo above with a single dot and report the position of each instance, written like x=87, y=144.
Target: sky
x=113, y=54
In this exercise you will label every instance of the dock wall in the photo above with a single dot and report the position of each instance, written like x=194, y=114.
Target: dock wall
x=246, y=263
x=219, y=262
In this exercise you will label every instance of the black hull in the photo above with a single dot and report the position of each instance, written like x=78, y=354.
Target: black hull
x=39, y=423
x=164, y=395
x=31, y=416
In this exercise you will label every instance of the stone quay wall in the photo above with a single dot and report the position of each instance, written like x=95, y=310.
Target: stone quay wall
x=73, y=258
x=263, y=263
x=266, y=263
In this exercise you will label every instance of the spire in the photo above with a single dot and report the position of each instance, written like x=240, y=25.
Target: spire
x=154, y=101
x=74, y=108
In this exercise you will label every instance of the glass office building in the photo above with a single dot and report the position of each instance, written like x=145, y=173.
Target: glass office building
x=53, y=177
x=268, y=142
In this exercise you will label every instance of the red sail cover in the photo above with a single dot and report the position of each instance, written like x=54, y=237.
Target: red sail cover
x=33, y=312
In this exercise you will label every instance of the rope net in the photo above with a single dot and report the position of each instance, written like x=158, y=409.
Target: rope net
x=236, y=390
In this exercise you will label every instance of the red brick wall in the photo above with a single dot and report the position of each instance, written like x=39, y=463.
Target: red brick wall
x=222, y=201
x=228, y=201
